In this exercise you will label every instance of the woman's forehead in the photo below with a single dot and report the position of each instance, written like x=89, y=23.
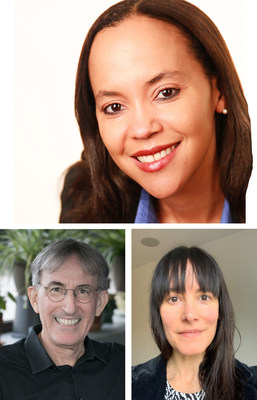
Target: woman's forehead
x=150, y=44
x=185, y=277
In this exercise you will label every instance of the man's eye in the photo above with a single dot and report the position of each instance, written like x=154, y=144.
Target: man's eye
x=56, y=289
x=83, y=291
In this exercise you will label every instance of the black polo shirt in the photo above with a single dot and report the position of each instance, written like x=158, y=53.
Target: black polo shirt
x=28, y=373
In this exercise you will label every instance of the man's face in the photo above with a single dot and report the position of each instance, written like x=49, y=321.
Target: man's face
x=66, y=323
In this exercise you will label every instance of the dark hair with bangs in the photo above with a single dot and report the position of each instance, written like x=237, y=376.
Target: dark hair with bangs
x=95, y=189
x=217, y=374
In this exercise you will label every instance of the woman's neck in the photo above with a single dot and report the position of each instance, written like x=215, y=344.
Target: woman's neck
x=200, y=201
x=182, y=373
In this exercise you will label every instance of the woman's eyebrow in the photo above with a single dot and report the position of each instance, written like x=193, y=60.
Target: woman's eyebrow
x=178, y=290
x=174, y=290
x=106, y=93
x=164, y=75
x=152, y=81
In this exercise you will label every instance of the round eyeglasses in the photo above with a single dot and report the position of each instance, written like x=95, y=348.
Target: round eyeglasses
x=83, y=293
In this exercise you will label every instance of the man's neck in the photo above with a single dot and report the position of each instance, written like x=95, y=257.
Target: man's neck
x=61, y=354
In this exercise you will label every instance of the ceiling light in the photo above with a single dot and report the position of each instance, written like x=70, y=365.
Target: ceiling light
x=150, y=242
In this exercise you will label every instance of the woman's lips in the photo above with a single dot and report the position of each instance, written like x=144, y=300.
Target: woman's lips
x=154, y=159
x=191, y=333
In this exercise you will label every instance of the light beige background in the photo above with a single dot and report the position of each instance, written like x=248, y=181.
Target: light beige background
x=48, y=36
x=236, y=253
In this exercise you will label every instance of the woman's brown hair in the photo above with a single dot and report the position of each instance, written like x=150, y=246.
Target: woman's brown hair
x=95, y=189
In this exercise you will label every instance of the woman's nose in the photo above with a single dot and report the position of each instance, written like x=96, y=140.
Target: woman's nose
x=189, y=312
x=144, y=121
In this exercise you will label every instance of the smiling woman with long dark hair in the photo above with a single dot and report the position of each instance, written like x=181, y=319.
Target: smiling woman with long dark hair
x=192, y=322
x=163, y=119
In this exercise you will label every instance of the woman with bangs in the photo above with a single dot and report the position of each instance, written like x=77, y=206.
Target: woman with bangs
x=192, y=322
x=163, y=120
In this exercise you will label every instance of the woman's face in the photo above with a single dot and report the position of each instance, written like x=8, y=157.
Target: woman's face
x=190, y=319
x=154, y=105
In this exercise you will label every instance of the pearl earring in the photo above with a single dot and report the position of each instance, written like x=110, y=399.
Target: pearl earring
x=225, y=111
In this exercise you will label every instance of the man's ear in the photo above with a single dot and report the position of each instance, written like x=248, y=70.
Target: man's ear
x=33, y=298
x=102, y=300
x=219, y=99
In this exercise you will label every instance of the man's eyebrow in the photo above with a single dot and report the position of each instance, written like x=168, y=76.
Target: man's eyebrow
x=55, y=283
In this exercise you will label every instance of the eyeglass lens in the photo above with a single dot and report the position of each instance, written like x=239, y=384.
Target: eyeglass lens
x=82, y=293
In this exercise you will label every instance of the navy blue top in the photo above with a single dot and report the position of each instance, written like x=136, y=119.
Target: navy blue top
x=146, y=213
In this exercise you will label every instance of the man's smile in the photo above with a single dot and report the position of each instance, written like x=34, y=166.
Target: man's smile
x=67, y=321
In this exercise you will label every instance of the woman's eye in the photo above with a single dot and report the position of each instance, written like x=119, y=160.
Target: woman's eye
x=167, y=93
x=173, y=299
x=113, y=108
x=205, y=297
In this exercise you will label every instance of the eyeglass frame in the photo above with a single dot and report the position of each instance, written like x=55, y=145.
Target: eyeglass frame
x=66, y=290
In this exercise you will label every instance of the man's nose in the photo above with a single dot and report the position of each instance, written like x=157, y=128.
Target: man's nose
x=69, y=302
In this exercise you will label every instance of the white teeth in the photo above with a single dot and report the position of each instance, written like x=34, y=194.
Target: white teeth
x=63, y=321
x=157, y=156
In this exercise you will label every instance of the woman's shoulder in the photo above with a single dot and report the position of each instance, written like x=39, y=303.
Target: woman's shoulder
x=248, y=376
x=149, y=379
x=247, y=373
x=148, y=368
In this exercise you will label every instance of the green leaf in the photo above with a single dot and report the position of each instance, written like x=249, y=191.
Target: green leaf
x=2, y=303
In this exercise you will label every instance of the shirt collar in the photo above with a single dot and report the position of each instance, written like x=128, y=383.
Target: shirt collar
x=146, y=213
x=93, y=350
x=39, y=359
x=226, y=217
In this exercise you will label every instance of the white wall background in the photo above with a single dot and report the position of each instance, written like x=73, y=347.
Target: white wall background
x=48, y=36
x=236, y=255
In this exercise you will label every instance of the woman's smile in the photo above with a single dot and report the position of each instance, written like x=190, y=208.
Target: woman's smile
x=191, y=333
x=153, y=160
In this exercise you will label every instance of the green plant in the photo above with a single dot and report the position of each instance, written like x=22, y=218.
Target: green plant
x=22, y=246
x=3, y=300
x=109, y=242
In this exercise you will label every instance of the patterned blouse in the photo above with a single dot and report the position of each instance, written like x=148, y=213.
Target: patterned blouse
x=172, y=394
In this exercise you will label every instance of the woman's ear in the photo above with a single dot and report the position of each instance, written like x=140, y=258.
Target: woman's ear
x=101, y=302
x=219, y=99
x=33, y=298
